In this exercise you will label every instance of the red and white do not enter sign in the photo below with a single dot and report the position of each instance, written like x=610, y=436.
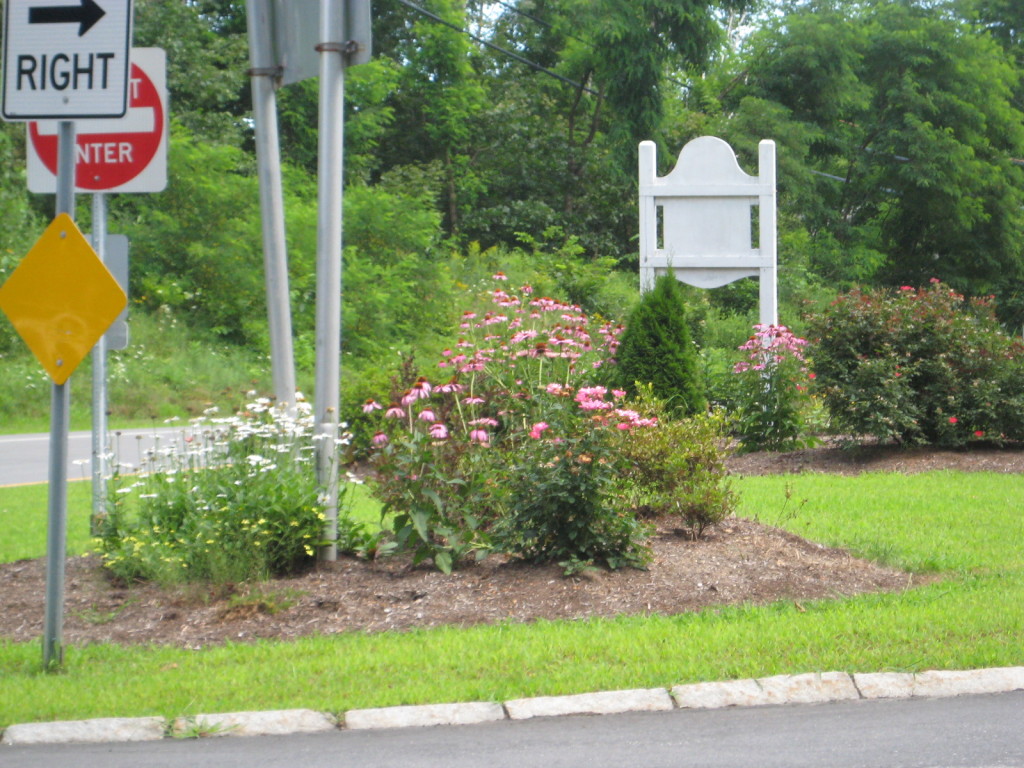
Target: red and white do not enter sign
x=125, y=154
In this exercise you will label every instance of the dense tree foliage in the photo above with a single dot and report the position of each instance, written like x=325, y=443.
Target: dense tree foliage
x=508, y=130
x=905, y=116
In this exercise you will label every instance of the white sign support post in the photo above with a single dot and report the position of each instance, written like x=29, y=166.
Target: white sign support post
x=99, y=381
x=705, y=236
x=60, y=406
x=63, y=62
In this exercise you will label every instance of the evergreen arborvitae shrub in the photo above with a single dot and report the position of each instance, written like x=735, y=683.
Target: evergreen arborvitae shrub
x=656, y=349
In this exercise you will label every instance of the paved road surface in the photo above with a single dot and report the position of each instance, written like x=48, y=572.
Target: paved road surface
x=26, y=458
x=962, y=732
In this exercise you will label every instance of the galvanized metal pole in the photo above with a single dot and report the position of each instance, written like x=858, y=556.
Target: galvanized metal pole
x=56, y=533
x=263, y=73
x=329, y=242
x=99, y=381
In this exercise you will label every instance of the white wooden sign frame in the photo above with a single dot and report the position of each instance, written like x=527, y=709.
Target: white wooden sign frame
x=705, y=232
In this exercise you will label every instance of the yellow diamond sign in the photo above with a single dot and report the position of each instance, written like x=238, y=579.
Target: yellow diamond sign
x=61, y=298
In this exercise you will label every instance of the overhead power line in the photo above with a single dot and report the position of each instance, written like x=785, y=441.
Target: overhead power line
x=512, y=54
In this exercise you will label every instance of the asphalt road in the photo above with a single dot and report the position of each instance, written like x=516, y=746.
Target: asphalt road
x=26, y=458
x=961, y=732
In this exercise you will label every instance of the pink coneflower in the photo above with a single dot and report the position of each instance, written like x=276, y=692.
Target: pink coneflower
x=451, y=386
x=479, y=436
x=427, y=415
x=371, y=405
x=486, y=421
x=438, y=431
x=394, y=412
x=422, y=387
x=380, y=439
x=538, y=429
x=472, y=400
x=499, y=276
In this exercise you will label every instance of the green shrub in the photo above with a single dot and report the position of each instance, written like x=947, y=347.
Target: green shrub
x=919, y=366
x=656, y=349
x=450, y=457
x=560, y=506
x=676, y=468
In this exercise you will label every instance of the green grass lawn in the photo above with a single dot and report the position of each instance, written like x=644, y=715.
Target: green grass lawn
x=967, y=526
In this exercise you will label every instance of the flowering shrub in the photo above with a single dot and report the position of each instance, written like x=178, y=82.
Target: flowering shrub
x=559, y=497
x=234, y=499
x=773, y=390
x=676, y=467
x=920, y=366
x=452, y=458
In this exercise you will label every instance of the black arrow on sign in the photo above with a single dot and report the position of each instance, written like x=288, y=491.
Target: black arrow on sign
x=85, y=15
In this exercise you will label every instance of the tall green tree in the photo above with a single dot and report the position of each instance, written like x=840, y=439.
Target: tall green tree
x=908, y=121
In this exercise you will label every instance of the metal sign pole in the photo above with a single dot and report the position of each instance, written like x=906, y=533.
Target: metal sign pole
x=268, y=163
x=99, y=381
x=328, y=265
x=56, y=536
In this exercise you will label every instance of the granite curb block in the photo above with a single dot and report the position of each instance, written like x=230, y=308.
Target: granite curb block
x=428, y=714
x=936, y=683
x=95, y=731
x=807, y=688
x=600, y=703
x=271, y=723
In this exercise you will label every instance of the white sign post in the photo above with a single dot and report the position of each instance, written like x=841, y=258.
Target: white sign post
x=66, y=62
x=705, y=235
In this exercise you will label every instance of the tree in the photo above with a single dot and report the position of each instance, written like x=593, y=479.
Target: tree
x=909, y=123
x=207, y=61
x=656, y=349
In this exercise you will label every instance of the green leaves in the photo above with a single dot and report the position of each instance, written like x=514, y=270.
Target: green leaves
x=919, y=366
x=656, y=349
x=913, y=114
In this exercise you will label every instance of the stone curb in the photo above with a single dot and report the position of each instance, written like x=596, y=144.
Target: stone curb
x=428, y=714
x=814, y=687
x=87, y=731
x=273, y=723
x=600, y=703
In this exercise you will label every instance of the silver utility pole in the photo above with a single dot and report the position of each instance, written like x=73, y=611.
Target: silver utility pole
x=60, y=404
x=264, y=72
x=99, y=381
x=328, y=261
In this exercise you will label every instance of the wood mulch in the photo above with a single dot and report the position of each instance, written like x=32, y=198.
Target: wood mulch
x=737, y=561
